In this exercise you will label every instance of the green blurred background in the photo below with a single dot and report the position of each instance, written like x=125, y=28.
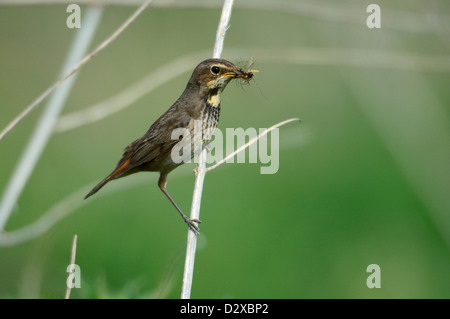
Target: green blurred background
x=364, y=179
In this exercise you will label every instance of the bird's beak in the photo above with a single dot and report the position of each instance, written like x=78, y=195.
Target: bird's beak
x=238, y=73
x=223, y=80
x=231, y=74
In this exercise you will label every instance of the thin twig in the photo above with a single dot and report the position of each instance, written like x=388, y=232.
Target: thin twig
x=89, y=57
x=246, y=145
x=71, y=203
x=224, y=24
x=72, y=262
x=200, y=170
x=43, y=130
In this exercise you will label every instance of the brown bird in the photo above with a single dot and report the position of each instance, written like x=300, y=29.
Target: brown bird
x=197, y=107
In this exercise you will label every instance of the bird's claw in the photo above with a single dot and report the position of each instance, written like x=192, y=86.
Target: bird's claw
x=193, y=226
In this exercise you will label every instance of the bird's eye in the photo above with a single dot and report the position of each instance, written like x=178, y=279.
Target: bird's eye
x=215, y=69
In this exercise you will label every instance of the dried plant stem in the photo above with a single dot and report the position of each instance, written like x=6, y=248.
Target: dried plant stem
x=246, y=145
x=192, y=237
x=224, y=24
x=72, y=262
x=200, y=170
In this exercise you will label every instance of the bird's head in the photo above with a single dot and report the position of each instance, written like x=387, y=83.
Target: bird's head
x=215, y=74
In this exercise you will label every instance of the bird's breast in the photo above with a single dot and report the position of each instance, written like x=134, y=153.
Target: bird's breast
x=202, y=128
x=210, y=119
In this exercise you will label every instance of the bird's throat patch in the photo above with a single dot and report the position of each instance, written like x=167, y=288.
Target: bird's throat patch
x=214, y=100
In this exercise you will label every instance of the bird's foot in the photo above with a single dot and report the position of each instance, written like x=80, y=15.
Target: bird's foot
x=192, y=225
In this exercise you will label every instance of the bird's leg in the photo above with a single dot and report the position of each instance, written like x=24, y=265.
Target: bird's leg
x=191, y=222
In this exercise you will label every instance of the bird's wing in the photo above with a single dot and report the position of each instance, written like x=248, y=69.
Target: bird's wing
x=157, y=142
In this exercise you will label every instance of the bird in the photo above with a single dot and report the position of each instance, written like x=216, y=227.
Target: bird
x=198, y=106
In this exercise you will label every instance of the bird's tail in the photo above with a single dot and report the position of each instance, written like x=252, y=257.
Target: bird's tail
x=111, y=176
